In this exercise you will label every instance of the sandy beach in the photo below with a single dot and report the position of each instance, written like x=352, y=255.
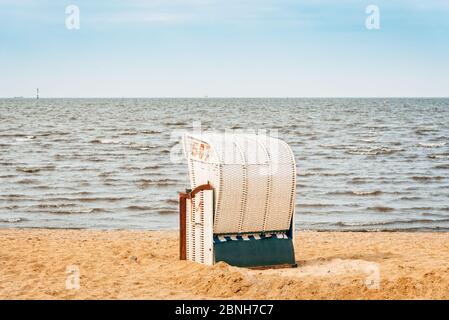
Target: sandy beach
x=42, y=264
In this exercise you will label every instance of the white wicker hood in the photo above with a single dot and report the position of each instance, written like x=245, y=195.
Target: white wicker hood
x=254, y=177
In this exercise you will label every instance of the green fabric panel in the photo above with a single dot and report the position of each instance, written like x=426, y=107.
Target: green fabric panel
x=254, y=253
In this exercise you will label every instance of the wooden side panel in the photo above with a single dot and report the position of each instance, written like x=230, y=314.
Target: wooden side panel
x=182, y=226
x=183, y=199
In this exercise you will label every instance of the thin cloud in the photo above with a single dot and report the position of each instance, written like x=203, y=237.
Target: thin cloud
x=141, y=17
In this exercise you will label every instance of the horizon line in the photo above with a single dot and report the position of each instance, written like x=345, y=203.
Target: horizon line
x=233, y=97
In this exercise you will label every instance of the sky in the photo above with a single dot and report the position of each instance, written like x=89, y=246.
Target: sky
x=231, y=48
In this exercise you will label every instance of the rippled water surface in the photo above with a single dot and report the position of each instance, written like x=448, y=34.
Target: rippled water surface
x=363, y=164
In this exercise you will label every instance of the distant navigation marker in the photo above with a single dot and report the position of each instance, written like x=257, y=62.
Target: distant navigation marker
x=37, y=93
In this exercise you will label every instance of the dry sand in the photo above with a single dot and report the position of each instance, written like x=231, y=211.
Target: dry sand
x=145, y=265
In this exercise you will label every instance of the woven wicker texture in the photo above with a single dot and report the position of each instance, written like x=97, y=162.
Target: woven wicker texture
x=254, y=178
x=199, y=228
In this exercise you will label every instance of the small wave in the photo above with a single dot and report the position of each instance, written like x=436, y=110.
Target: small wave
x=14, y=196
x=166, y=212
x=305, y=174
x=438, y=156
x=55, y=206
x=420, y=208
x=98, y=210
x=84, y=199
x=176, y=123
x=7, y=163
x=111, y=199
x=150, y=132
x=356, y=193
x=52, y=206
x=442, y=166
x=93, y=159
x=105, y=141
x=138, y=208
x=370, y=151
x=171, y=201
x=13, y=207
x=424, y=131
x=432, y=145
x=333, y=146
x=82, y=193
x=410, y=198
x=7, y=176
x=317, y=169
x=333, y=157
x=28, y=170
x=367, y=140
x=368, y=193
x=381, y=209
x=439, y=138
x=106, y=174
x=153, y=167
x=389, y=223
x=42, y=187
x=26, y=138
x=334, y=174
x=52, y=133
x=165, y=181
x=428, y=214
x=297, y=143
x=27, y=181
x=426, y=178
x=14, y=135
x=129, y=133
x=145, y=183
x=12, y=220
x=145, y=148
x=358, y=181
x=36, y=168
x=314, y=205
x=128, y=167
x=77, y=211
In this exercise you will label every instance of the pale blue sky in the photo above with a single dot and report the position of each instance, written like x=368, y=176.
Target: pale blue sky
x=245, y=48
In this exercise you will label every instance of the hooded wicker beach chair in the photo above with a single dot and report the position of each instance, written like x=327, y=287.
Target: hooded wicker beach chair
x=240, y=207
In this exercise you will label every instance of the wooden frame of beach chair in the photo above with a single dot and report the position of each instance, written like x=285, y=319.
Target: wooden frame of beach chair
x=240, y=209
